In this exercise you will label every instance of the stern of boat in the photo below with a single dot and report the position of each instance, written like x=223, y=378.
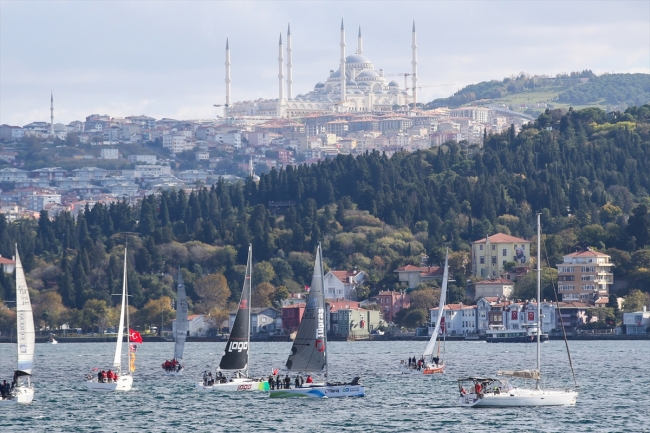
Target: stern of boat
x=24, y=394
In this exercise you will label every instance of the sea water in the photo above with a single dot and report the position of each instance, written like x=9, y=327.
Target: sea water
x=613, y=379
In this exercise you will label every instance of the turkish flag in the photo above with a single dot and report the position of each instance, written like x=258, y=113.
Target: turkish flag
x=134, y=336
x=514, y=315
x=306, y=288
x=442, y=325
x=531, y=316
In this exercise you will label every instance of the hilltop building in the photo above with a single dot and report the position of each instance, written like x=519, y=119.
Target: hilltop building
x=585, y=275
x=490, y=254
x=356, y=86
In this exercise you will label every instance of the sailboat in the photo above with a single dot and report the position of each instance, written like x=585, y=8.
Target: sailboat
x=124, y=382
x=23, y=390
x=490, y=392
x=175, y=367
x=432, y=362
x=236, y=355
x=309, y=350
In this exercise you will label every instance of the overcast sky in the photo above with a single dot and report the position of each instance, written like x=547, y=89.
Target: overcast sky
x=166, y=58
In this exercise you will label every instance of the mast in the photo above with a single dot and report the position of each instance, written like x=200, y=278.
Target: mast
x=322, y=278
x=249, y=275
x=539, y=304
x=24, y=323
x=117, y=360
x=428, y=351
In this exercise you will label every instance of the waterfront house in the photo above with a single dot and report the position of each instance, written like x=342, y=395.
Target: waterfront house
x=460, y=319
x=414, y=275
x=489, y=255
x=391, y=302
x=262, y=320
x=584, y=276
x=494, y=287
x=636, y=323
x=198, y=326
x=342, y=284
x=354, y=323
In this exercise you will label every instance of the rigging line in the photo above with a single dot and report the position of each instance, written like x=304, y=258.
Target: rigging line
x=557, y=307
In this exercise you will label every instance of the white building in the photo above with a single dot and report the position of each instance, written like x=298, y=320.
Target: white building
x=177, y=143
x=38, y=200
x=494, y=287
x=146, y=159
x=355, y=86
x=198, y=326
x=637, y=322
x=13, y=174
x=343, y=284
x=459, y=319
x=262, y=320
x=8, y=265
x=110, y=154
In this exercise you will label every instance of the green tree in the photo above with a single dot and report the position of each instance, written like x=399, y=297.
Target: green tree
x=635, y=301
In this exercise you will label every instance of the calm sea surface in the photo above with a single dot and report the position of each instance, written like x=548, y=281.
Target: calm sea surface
x=614, y=379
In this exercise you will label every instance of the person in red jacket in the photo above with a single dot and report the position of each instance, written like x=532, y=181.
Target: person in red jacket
x=309, y=379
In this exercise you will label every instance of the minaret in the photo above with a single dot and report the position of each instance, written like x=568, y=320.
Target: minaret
x=414, y=63
x=51, y=114
x=359, y=43
x=225, y=110
x=279, y=111
x=343, y=77
x=289, y=63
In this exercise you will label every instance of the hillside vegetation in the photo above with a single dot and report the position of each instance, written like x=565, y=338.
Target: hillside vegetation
x=586, y=172
x=577, y=89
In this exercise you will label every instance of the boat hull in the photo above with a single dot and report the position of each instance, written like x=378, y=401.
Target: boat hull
x=524, y=339
x=174, y=373
x=124, y=383
x=429, y=369
x=326, y=391
x=24, y=394
x=235, y=385
x=521, y=398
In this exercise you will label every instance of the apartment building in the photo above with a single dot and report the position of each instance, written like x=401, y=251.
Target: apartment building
x=585, y=275
x=490, y=254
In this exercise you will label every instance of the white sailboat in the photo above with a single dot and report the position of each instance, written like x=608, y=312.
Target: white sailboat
x=237, y=353
x=22, y=389
x=174, y=367
x=490, y=392
x=309, y=350
x=432, y=362
x=124, y=382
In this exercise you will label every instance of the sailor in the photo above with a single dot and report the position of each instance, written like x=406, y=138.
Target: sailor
x=287, y=382
x=99, y=376
x=104, y=376
x=2, y=389
x=309, y=379
x=205, y=378
x=109, y=376
x=436, y=360
x=478, y=388
x=271, y=382
x=296, y=383
x=301, y=381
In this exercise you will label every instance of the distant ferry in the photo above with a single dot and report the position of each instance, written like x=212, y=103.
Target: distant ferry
x=498, y=334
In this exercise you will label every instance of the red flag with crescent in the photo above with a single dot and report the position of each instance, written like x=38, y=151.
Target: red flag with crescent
x=134, y=336
x=514, y=314
x=531, y=316
x=442, y=325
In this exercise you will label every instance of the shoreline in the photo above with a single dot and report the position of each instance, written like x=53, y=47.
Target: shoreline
x=375, y=338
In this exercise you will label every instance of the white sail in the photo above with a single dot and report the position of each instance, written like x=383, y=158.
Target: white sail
x=25, y=321
x=522, y=374
x=441, y=310
x=117, y=361
x=181, y=318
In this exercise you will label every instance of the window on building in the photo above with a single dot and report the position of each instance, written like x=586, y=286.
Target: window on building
x=504, y=262
x=481, y=247
x=494, y=247
x=482, y=260
x=505, y=252
x=494, y=260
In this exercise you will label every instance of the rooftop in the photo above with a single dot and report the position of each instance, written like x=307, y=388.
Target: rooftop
x=502, y=238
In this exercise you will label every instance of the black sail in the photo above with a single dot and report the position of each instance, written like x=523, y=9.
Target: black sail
x=235, y=356
x=308, y=353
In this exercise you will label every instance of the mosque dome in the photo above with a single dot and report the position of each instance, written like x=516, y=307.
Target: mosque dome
x=357, y=58
x=351, y=83
x=368, y=74
x=393, y=84
x=319, y=85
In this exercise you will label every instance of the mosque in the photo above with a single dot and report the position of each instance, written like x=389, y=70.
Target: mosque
x=362, y=88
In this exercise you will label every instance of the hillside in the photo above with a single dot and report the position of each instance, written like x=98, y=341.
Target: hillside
x=533, y=94
x=586, y=172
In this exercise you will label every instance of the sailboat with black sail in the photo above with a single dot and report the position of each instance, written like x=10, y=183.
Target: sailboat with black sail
x=235, y=359
x=309, y=350
x=432, y=363
x=493, y=392
x=175, y=367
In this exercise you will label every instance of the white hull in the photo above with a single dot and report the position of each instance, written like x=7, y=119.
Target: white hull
x=24, y=394
x=521, y=397
x=124, y=383
x=318, y=391
x=241, y=384
x=174, y=373
x=426, y=371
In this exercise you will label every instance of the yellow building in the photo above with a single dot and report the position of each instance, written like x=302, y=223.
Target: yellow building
x=489, y=255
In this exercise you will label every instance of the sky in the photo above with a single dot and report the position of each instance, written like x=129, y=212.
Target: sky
x=166, y=58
